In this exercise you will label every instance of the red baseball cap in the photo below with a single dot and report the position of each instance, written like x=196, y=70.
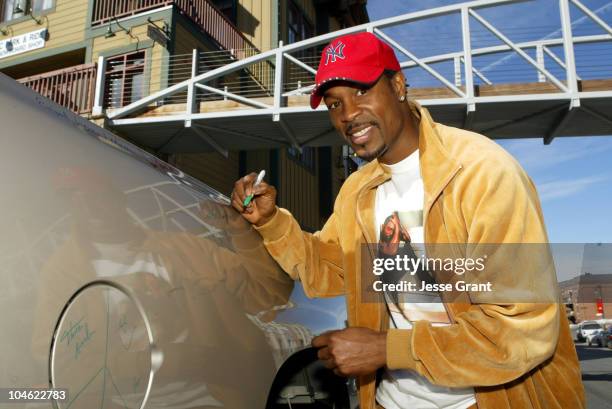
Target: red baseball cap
x=359, y=58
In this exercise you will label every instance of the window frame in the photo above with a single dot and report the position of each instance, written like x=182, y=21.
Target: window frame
x=127, y=71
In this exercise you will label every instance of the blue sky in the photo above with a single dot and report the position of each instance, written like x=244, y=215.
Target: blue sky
x=572, y=175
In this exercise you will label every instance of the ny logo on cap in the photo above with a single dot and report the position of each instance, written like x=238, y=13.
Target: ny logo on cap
x=334, y=52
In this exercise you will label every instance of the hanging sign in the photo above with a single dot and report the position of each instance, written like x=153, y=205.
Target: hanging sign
x=23, y=43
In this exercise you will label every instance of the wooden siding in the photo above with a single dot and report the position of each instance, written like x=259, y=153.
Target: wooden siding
x=184, y=44
x=254, y=19
x=121, y=40
x=66, y=26
x=123, y=43
x=185, y=41
x=211, y=168
x=158, y=66
x=595, y=85
x=298, y=192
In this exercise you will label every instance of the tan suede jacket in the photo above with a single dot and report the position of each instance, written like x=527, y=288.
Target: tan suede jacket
x=515, y=355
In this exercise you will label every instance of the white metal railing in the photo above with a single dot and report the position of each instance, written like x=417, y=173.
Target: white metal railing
x=291, y=68
x=115, y=87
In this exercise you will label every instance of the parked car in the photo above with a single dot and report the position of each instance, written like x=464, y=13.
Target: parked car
x=590, y=338
x=133, y=285
x=587, y=328
x=602, y=338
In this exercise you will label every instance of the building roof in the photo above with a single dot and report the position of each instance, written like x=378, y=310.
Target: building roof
x=587, y=279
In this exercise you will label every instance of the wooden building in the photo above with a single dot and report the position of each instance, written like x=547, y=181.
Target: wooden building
x=53, y=46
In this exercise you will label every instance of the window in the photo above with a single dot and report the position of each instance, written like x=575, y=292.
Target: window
x=42, y=5
x=125, y=79
x=12, y=9
x=299, y=27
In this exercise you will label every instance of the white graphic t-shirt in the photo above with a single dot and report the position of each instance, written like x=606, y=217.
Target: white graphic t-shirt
x=399, y=221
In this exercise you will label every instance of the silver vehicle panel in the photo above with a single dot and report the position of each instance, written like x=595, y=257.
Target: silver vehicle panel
x=128, y=282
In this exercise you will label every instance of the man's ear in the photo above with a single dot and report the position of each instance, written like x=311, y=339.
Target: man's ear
x=398, y=82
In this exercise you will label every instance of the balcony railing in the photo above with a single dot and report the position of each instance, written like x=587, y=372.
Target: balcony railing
x=72, y=87
x=202, y=12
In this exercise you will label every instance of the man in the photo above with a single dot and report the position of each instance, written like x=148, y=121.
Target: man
x=446, y=185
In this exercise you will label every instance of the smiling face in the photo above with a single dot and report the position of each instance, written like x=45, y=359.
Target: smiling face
x=372, y=119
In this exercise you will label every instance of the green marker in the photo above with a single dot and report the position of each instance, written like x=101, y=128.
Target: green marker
x=249, y=198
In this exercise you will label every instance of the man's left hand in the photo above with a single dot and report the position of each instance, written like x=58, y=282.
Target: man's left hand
x=352, y=351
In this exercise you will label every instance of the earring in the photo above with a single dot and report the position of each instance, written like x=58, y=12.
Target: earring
x=402, y=98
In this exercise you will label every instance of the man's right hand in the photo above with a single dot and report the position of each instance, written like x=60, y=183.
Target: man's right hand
x=262, y=207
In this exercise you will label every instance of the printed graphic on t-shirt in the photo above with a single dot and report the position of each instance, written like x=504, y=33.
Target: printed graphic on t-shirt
x=394, y=240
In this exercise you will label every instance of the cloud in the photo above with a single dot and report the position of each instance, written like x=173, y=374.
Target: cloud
x=568, y=187
x=534, y=155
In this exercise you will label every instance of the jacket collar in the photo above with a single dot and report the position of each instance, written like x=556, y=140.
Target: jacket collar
x=437, y=167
